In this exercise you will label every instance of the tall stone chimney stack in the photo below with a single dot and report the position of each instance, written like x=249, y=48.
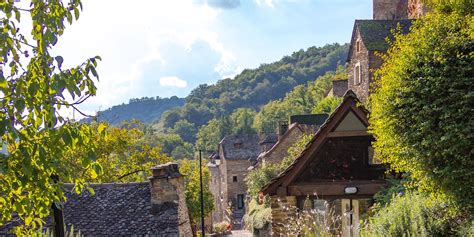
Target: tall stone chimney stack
x=167, y=188
x=390, y=9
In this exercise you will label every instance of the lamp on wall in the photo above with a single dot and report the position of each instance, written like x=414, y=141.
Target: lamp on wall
x=350, y=190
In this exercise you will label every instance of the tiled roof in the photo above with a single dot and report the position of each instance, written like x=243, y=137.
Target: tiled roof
x=240, y=147
x=374, y=33
x=117, y=210
x=269, y=138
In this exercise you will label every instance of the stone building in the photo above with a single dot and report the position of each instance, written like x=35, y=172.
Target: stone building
x=369, y=40
x=229, y=167
x=290, y=134
x=367, y=43
x=338, y=88
x=155, y=208
x=337, y=173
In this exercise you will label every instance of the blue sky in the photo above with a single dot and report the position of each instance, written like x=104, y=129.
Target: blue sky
x=168, y=47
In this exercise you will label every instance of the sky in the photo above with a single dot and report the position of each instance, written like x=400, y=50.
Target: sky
x=164, y=48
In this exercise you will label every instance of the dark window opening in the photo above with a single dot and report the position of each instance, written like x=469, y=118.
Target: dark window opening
x=358, y=46
x=240, y=201
x=234, y=179
x=238, y=145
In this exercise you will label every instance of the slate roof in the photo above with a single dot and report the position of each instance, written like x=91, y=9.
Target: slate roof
x=248, y=149
x=117, y=210
x=269, y=138
x=374, y=33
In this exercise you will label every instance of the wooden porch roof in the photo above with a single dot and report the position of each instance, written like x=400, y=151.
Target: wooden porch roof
x=349, y=104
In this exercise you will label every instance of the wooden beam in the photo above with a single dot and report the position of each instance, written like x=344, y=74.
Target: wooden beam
x=349, y=134
x=335, y=188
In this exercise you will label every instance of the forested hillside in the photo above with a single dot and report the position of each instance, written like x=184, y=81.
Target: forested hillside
x=253, y=88
x=146, y=109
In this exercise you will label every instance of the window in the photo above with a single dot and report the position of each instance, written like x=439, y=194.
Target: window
x=234, y=179
x=240, y=201
x=238, y=145
x=373, y=160
x=358, y=46
x=357, y=74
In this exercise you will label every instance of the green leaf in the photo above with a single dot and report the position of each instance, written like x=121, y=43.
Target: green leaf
x=76, y=13
x=101, y=128
x=3, y=83
x=59, y=60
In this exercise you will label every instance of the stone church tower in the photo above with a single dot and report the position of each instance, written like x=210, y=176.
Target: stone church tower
x=390, y=9
x=369, y=40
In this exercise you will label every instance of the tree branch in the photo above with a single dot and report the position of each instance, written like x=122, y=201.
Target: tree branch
x=130, y=173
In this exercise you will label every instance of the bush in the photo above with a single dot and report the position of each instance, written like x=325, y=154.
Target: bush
x=259, y=216
x=412, y=214
x=222, y=227
x=422, y=111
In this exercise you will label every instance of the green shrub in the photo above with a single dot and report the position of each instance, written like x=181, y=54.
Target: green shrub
x=259, y=216
x=222, y=227
x=412, y=214
x=421, y=111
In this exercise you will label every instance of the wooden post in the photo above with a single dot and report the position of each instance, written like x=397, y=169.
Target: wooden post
x=58, y=218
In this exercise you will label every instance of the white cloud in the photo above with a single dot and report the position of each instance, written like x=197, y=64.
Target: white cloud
x=269, y=3
x=132, y=37
x=173, y=82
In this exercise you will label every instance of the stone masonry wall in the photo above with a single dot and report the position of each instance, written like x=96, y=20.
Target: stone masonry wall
x=167, y=185
x=361, y=58
x=390, y=9
x=416, y=9
x=215, y=188
x=339, y=88
x=283, y=208
x=281, y=148
x=236, y=168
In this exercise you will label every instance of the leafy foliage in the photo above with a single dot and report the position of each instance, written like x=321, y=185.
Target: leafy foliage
x=301, y=100
x=253, y=88
x=122, y=155
x=184, y=129
x=422, y=106
x=258, y=217
x=412, y=214
x=34, y=87
x=327, y=105
x=190, y=170
x=146, y=109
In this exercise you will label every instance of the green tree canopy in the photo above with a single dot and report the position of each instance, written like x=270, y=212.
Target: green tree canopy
x=327, y=105
x=241, y=121
x=422, y=106
x=122, y=155
x=190, y=170
x=301, y=100
x=34, y=86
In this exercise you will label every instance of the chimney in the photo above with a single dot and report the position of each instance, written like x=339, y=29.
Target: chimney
x=167, y=188
x=282, y=128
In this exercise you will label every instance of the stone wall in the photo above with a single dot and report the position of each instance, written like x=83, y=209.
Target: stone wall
x=236, y=168
x=390, y=9
x=167, y=185
x=359, y=58
x=338, y=88
x=280, y=149
x=215, y=188
x=416, y=9
x=283, y=208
